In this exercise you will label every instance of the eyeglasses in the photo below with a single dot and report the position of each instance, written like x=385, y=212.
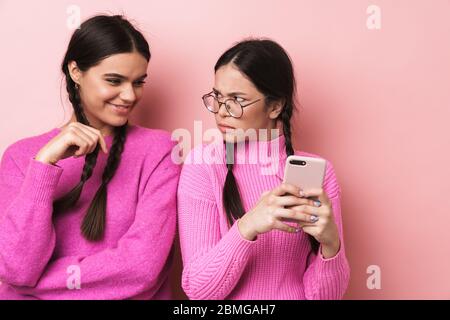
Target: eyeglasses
x=233, y=107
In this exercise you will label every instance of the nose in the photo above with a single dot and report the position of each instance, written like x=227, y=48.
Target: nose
x=128, y=95
x=223, y=112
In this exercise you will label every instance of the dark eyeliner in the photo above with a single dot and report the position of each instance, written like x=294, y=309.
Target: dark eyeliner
x=113, y=81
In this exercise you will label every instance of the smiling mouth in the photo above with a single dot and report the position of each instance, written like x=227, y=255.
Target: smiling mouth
x=119, y=106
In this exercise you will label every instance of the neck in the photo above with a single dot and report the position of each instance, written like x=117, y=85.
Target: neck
x=272, y=132
x=105, y=129
x=255, y=149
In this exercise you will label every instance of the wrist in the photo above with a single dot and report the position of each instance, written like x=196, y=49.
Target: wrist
x=44, y=159
x=245, y=229
x=329, y=250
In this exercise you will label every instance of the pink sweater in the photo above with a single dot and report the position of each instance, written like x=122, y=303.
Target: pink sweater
x=40, y=252
x=220, y=264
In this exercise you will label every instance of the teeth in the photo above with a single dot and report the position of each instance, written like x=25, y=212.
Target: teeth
x=116, y=106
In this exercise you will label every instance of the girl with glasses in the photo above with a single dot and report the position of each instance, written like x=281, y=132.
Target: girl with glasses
x=245, y=234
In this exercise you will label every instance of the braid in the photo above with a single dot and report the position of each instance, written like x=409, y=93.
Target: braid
x=74, y=98
x=232, y=201
x=116, y=152
x=93, y=226
x=286, y=120
x=71, y=198
x=91, y=158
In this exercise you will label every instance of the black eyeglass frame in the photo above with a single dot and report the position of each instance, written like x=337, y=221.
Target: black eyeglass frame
x=211, y=94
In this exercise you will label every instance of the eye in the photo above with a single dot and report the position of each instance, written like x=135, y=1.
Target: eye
x=139, y=83
x=239, y=99
x=114, y=82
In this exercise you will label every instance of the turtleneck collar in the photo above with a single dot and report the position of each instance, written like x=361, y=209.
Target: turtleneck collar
x=270, y=155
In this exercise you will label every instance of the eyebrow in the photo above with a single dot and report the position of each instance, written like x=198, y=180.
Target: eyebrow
x=237, y=93
x=117, y=75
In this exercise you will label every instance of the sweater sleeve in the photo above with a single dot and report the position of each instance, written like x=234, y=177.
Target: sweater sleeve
x=27, y=235
x=212, y=264
x=327, y=279
x=135, y=265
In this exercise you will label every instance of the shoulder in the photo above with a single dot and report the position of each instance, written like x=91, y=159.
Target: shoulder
x=196, y=174
x=30, y=143
x=21, y=151
x=150, y=143
x=152, y=149
x=195, y=159
x=151, y=137
x=330, y=181
x=204, y=154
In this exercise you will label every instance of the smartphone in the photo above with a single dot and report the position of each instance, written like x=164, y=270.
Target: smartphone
x=304, y=172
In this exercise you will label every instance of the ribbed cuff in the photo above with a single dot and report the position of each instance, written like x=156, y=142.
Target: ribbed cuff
x=330, y=266
x=41, y=180
x=236, y=243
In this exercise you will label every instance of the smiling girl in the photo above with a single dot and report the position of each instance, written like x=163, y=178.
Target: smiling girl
x=77, y=223
x=238, y=239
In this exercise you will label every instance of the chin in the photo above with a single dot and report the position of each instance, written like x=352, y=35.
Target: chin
x=117, y=121
x=232, y=138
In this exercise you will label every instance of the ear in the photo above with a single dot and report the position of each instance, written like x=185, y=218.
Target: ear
x=276, y=108
x=74, y=71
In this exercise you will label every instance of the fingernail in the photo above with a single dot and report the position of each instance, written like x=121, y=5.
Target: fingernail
x=314, y=218
x=302, y=194
x=317, y=203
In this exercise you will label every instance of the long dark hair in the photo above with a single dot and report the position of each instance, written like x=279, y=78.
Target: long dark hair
x=97, y=38
x=270, y=69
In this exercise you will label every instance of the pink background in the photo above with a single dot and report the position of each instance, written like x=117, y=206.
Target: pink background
x=374, y=102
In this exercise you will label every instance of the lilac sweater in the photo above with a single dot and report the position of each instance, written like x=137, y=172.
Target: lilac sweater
x=220, y=264
x=39, y=251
